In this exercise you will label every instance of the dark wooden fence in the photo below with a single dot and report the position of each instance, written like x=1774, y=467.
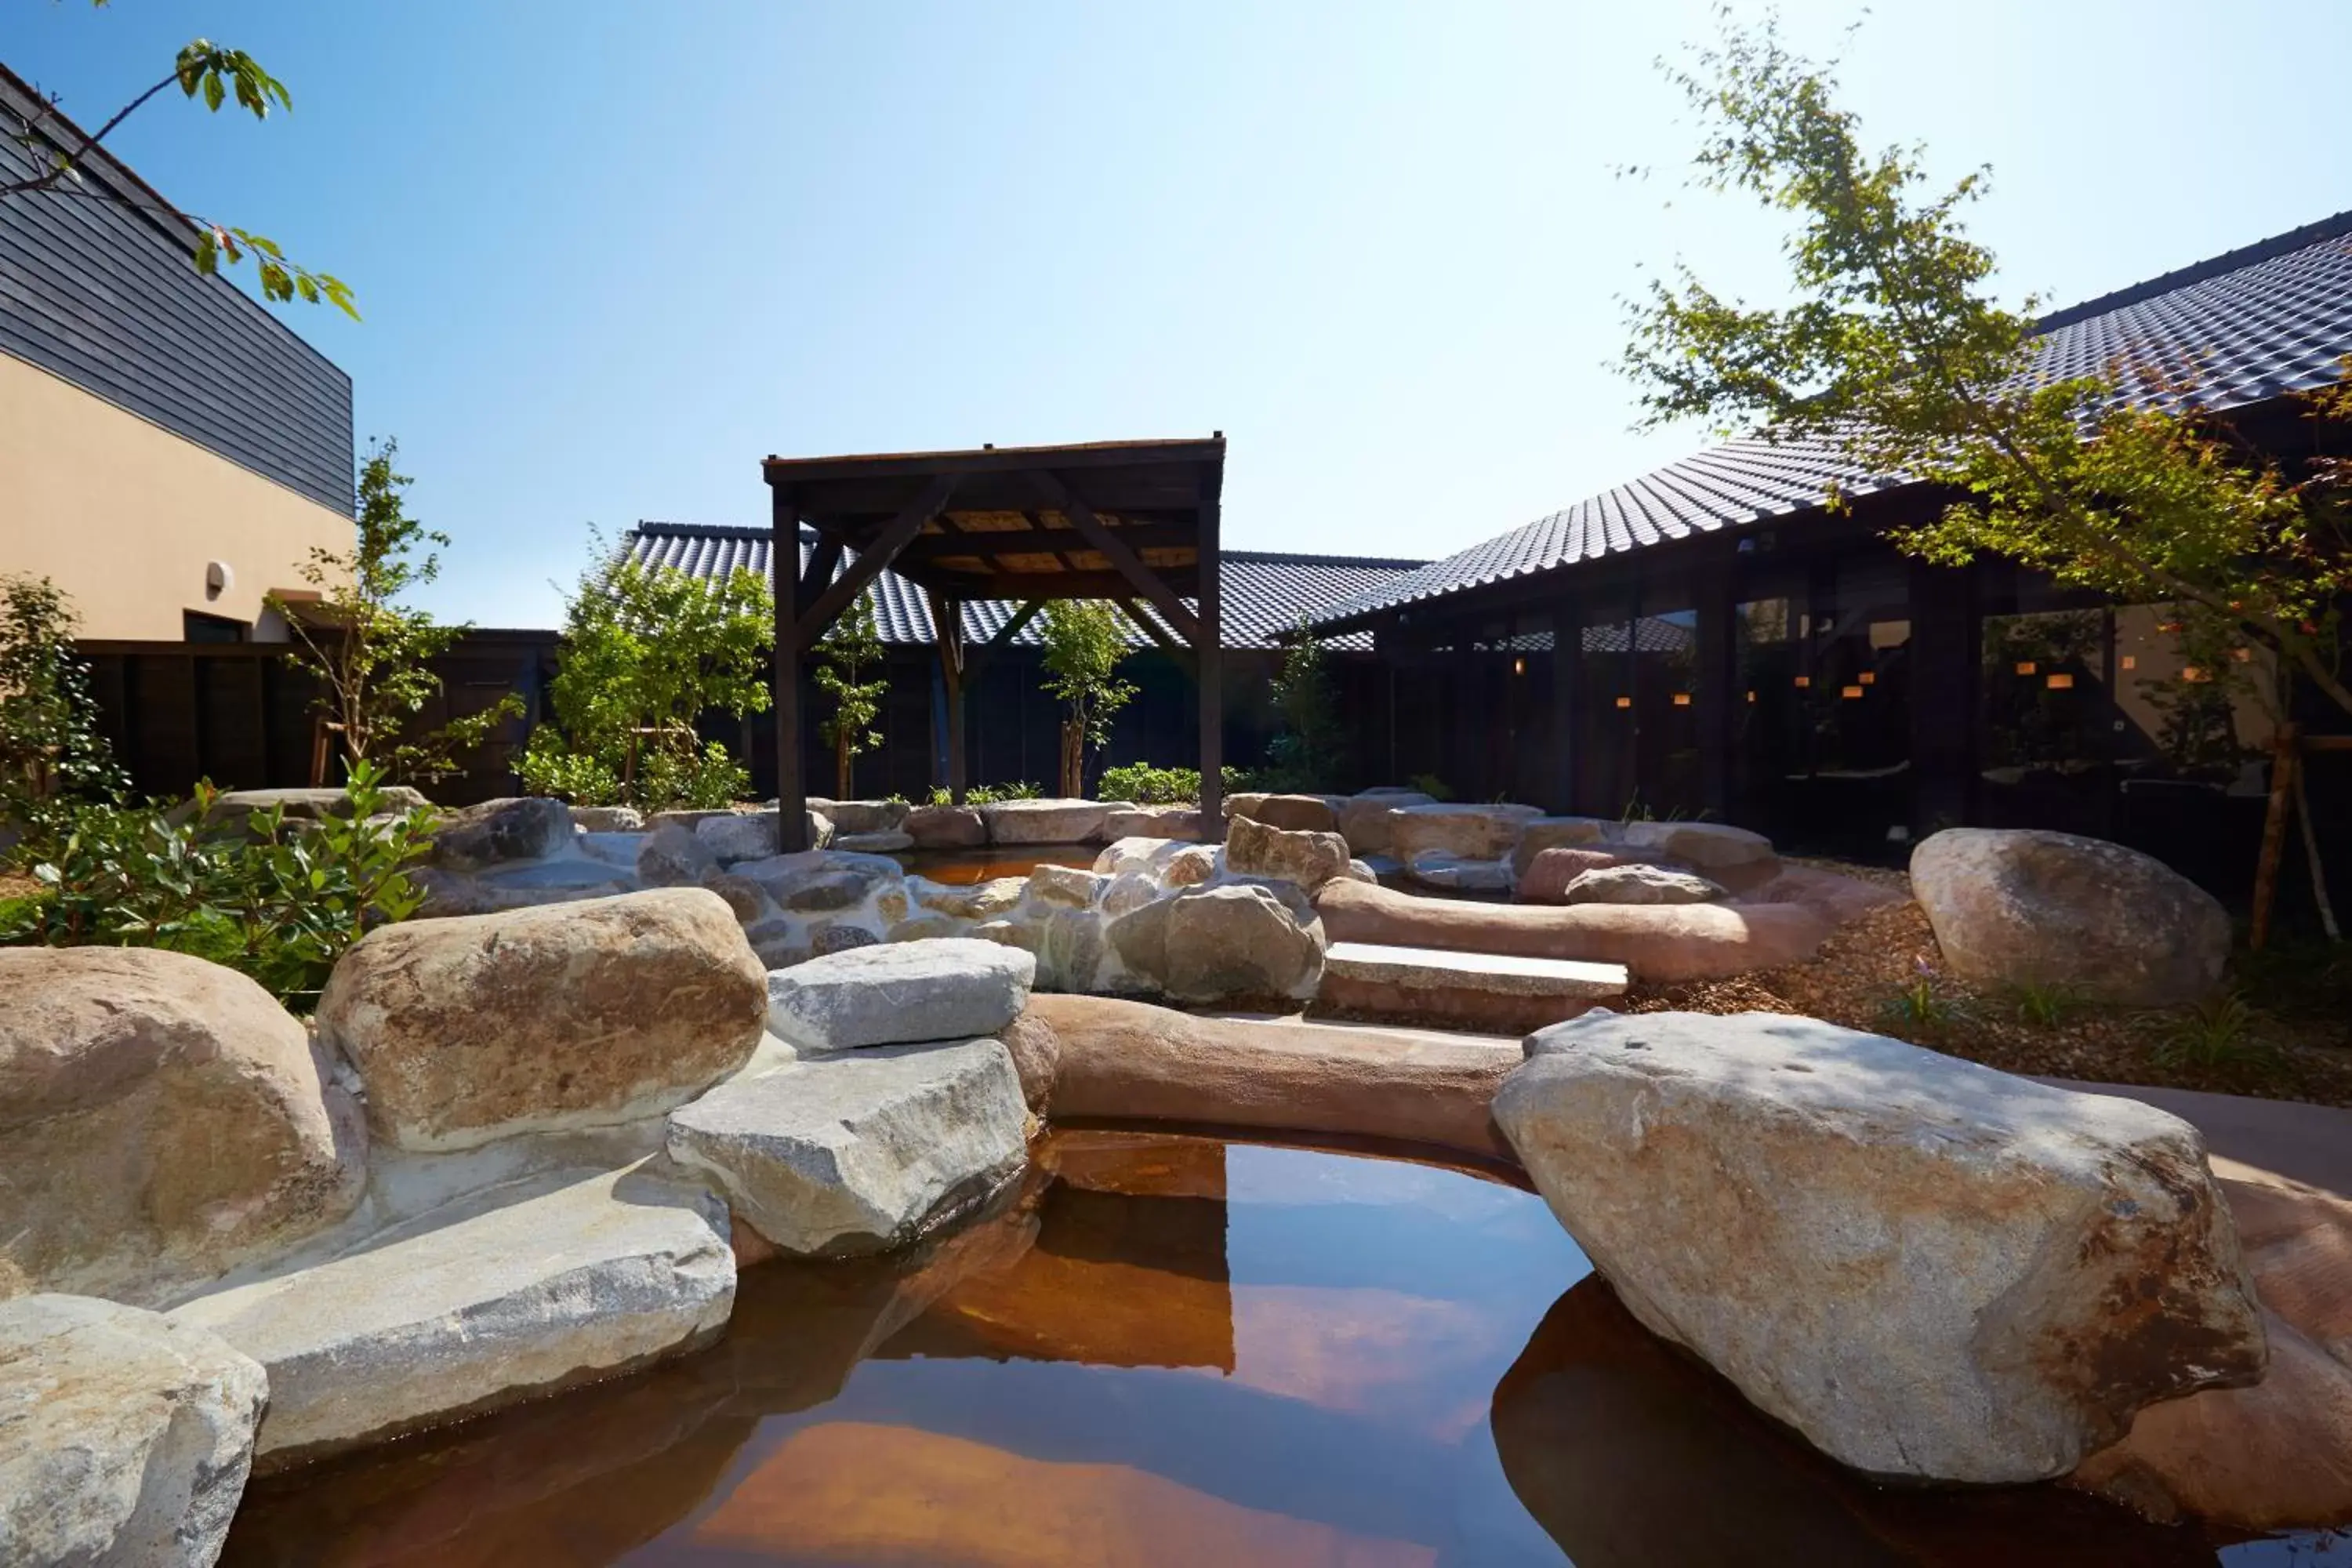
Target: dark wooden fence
x=244, y=716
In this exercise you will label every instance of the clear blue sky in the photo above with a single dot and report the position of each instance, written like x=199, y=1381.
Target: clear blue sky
x=611, y=255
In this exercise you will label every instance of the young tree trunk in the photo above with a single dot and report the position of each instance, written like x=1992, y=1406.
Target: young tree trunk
x=841, y=767
x=1073, y=781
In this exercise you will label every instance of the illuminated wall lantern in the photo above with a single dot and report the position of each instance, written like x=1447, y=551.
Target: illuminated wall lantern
x=2131, y=661
x=2060, y=682
x=2191, y=674
x=1868, y=678
x=1804, y=681
x=1751, y=697
x=1850, y=692
x=1681, y=699
x=2026, y=667
x=2243, y=654
x=1624, y=702
x=1519, y=667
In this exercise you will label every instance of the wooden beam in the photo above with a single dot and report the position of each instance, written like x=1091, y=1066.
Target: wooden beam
x=825, y=560
x=783, y=571
x=1129, y=563
x=996, y=541
x=1208, y=644
x=970, y=586
x=871, y=561
x=1163, y=640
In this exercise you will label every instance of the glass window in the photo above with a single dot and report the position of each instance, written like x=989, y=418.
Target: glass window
x=2042, y=706
x=1605, y=741
x=1668, y=781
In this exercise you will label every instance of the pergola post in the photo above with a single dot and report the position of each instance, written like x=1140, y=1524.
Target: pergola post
x=1208, y=650
x=785, y=579
x=947, y=631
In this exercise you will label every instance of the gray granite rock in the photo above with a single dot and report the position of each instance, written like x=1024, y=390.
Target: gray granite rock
x=124, y=1437
x=859, y=1152
x=945, y=988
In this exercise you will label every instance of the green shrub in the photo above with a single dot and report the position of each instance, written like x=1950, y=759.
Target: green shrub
x=277, y=901
x=2045, y=1006
x=2216, y=1032
x=1146, y=786
x=1432, y=787
x=984, y=795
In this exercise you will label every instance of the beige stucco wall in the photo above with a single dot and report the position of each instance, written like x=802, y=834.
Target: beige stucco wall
x=124, y=515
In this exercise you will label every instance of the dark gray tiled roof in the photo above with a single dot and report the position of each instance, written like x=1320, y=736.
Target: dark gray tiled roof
x=2271, y=319
x=1265, y=592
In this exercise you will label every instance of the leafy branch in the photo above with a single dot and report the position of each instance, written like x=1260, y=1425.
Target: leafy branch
x=201, y=70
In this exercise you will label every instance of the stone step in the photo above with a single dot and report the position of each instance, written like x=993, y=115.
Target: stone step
x=1501, y=991
x=521, y=1290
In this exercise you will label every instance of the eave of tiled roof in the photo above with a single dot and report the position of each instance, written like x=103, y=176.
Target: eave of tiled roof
x=1265, y=591
x=2240, y=329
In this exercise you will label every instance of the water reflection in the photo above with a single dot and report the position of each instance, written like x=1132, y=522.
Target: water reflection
x=1167, y=1350
x=969, y=868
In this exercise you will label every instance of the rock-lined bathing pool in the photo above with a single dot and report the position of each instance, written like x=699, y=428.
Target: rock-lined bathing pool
x=969, y=868
x=1173, y=1350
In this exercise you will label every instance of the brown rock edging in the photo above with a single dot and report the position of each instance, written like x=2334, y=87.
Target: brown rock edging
x=1655, y=943
x=1122, y=1060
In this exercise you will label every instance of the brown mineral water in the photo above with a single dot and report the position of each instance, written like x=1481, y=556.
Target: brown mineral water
x=1174, y=1349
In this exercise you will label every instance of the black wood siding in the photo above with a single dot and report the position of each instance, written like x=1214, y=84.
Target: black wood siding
x=104, y=295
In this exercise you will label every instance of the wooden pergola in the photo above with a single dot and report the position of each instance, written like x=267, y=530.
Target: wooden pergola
x=1130, y=521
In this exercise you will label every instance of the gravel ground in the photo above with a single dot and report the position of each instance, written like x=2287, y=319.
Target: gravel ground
x=2293, y=1040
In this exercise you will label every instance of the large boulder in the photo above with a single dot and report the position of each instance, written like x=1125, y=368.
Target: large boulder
x=1931, y=1269
x=1734, y=857
x=1217, y=942
x=1045, y=821
x=231, y=808
x=124, y=1438
x=866, y=816
x=1558, y=833
x=674, y=856
x=1642, y=884
x=577, y=1015
x=163, y=1119
x=1291, y=813
x=739, y=836
x=860, y=1151
x=820, y=881
x=972, y=900
x=608, y=819
x=523, y=828
x=1255, y=848
x=1364, y=819
x=1471, y=832
x=1544, y=878
x=1655, y=943
x=2111, y=924
x=948, y=988
x=1153, y=822
x=554, y=1279
x=946, y=828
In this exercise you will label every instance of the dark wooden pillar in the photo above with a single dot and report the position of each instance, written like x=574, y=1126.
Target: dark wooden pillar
x=1209, y=649
x=946, y=626
x=1718, y=680
x=1567, y=702
x=785, y=579
x=1943, y=696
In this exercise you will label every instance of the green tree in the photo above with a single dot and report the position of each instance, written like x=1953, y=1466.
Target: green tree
x=1894, y=351
x=205, y=71
x=1307, y=752
x=646, y=651
x=370, y=653
x=1084, y=639
x=53, y=757
x=852, y=644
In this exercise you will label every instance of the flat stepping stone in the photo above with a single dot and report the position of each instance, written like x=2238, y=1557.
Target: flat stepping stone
x=1506, y=993
x=860, y=1151
x=900, y=993
x=557, y=1280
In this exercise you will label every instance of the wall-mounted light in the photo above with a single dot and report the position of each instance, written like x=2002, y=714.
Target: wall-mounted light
x=2061, y=681
x=1850, y=692
x=1519, y=667
x=1624, y=702
x=2131, y=661
x=2026, y=667
x=2243, y=654
x=1681, y=699
x=2193, y=674
x=1868, y=678
x=1804, y=681
x=1751, y=697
